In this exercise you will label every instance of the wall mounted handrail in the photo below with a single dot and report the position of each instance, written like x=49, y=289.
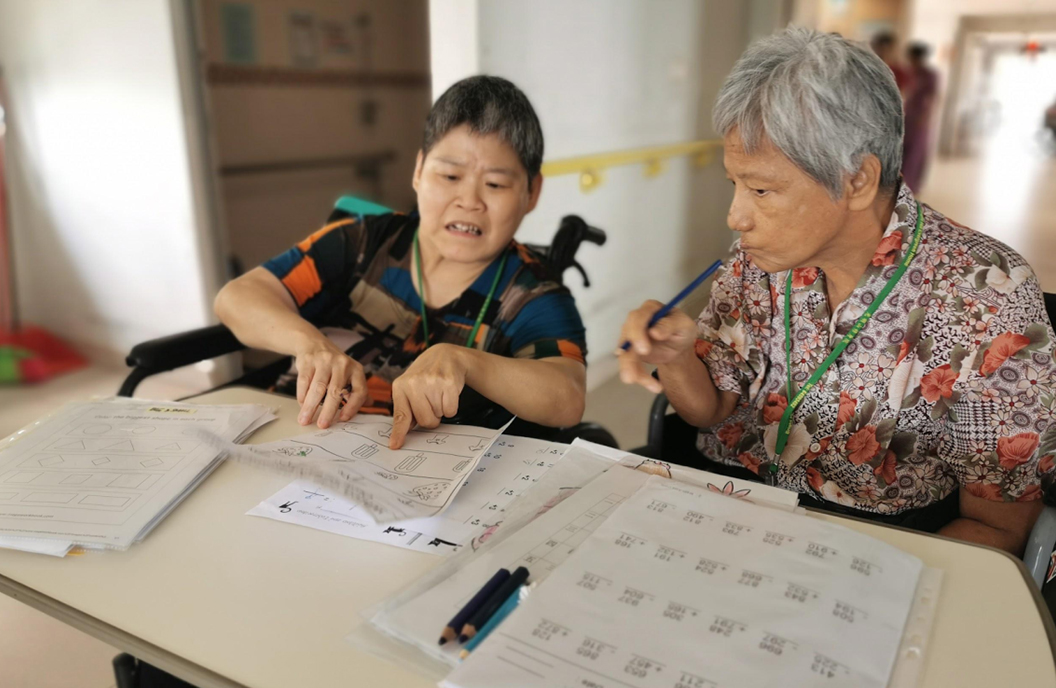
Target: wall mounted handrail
x=590, y=167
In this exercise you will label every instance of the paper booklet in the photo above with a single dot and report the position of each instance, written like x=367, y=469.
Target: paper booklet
x=102, y=474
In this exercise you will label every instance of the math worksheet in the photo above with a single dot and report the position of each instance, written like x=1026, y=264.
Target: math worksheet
x=353, y=460
x=684, y=587
x=506, y=470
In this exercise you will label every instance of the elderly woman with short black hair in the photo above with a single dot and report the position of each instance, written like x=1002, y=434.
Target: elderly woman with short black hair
x=859, y=348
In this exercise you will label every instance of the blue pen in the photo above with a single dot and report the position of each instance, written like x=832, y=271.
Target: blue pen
x=675, y=301
x=497, y=618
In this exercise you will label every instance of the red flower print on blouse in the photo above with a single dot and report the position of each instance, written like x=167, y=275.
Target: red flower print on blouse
x=847, y=406
x=889, y=246
x=774, y=408
x=989, y=491
x=823, y=445
x=749, y=461
x=702, y=347
x=903, y=349
x=862, y=445
x=886, y=469
x=814, y=478
x=938, y=383
x=1046, y=464
x=731, y=434
x=1005, y=345
x=1017, y=449
x=804, y=277
x=1030, y=494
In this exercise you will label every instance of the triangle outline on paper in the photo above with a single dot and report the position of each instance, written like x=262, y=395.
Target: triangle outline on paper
x=170, y=445
x=120, y=445
x=76, y=444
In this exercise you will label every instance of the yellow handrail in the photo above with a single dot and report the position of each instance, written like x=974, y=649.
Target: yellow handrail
x=590, y=167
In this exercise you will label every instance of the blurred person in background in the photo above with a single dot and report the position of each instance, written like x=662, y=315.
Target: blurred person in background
x=919, y=97
x=884, y=45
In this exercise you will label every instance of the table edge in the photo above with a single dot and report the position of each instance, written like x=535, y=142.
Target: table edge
x=115, y=637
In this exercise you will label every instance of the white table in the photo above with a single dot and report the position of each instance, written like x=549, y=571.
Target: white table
x=222, y=599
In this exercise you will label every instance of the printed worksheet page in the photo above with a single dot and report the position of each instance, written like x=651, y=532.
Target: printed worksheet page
x=353, y=461
x=681, y=587
x=506, y=470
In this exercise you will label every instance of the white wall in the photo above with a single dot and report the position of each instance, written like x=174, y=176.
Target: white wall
x=105, y=227
x=608, y=75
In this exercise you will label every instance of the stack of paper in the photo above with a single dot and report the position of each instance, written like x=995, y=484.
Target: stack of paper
x=507, y=469
x=684, y=587
x=103, y=474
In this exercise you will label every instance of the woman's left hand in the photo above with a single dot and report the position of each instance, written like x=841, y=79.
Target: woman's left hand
x=428, y=390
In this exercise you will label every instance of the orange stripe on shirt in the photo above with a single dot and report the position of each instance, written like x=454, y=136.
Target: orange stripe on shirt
x=307, y=243
x=570, y=350
x=303, y=281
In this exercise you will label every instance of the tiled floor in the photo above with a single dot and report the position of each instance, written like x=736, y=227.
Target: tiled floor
x=1013, y=198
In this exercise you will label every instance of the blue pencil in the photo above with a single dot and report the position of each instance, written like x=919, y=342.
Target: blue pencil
x=678, y=299
x=497, y=618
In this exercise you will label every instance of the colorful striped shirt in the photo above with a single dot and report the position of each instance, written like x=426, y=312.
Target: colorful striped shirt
x=369, y=307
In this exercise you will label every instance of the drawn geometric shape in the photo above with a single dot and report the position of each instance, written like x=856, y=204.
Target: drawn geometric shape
x=49, y=497
x=50, y=461
x=22, y=477
x=75, y=479
x=120, y=445
x=171, y=446
x=130, y=481
x=104, y=500
x=411, y=462
x=96, y=429
x=150, y=463
x=4, y=496
x=459, y=466
x=101, y=460
x=365, y=451
x=78, y=444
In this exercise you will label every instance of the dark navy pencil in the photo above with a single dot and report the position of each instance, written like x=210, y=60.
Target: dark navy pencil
x=477, y=621
x=459, y=620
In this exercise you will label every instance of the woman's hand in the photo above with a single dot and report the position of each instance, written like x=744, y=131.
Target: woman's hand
x=670, y=339
x=428, y=390
x=327, y=376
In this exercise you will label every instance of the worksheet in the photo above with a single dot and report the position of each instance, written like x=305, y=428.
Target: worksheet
x=683, y=587
x=102, y=473
x=353, y=460
x=542, y=545
x=506, y=470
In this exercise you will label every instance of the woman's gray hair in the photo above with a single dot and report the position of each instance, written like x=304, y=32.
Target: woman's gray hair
x=822, y=100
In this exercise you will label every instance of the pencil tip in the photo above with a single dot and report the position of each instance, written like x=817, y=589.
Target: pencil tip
x=443, y=640
x=463, y=638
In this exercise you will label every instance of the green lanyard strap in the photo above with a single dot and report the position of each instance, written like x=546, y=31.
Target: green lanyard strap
x=785, y=429
x=483, y=309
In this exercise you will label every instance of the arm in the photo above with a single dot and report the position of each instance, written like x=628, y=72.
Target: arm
x=262, y=314
x=1004, y=525
x=684, y=378
x=430, y=388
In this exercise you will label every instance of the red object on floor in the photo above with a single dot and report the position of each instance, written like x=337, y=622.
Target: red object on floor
x=49, y=355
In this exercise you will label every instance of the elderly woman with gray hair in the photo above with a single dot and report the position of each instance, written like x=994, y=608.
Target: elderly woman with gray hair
x=859, y=348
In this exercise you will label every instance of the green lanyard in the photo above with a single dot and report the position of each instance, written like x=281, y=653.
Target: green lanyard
x=483, y=309
x=785, y=429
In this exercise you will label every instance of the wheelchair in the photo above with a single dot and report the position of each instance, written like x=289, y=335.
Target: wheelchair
x=670, y=436
x=178, y=350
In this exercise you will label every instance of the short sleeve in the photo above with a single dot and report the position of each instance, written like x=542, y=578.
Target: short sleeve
x=1001, y=435
x=317, y=270
x=725, y=341
x=547, y=326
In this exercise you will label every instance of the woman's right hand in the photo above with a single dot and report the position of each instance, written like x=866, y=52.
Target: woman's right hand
x=325, y=375
x=670, y=339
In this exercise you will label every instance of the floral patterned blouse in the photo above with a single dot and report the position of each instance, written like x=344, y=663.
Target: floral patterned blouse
x=951, y=383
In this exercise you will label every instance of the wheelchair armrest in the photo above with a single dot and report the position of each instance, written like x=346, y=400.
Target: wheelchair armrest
x=655, y=434
x=1040, y=545
x=177, y=350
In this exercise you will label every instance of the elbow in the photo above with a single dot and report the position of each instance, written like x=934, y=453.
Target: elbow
x=222, y=303
x=572, y=412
